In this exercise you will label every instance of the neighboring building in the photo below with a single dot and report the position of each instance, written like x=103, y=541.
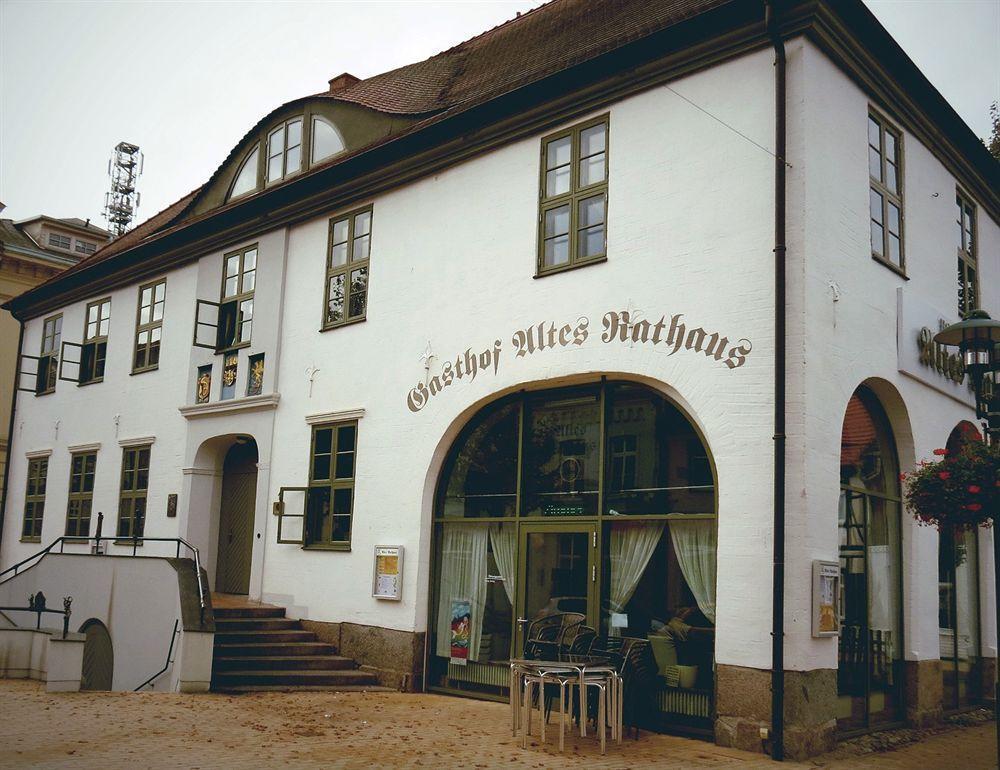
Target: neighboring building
x=512, y=308
x=31, y=252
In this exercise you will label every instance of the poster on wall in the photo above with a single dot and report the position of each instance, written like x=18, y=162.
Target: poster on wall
x=461, y=623
x=826, y=598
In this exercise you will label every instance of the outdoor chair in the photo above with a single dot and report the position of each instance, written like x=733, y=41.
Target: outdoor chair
x=545, y=636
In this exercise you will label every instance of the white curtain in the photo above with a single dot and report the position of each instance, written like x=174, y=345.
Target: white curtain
x=695, y=547
x=632, y=546
x=503, y=538
x=463, y=577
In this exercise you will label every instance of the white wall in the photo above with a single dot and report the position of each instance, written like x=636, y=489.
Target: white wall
x=841, y=344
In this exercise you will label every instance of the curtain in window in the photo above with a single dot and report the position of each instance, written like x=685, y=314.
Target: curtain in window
x=632, y=546
x=463, y=577
x=503, y=538
x=883, y=585
x=695, y=546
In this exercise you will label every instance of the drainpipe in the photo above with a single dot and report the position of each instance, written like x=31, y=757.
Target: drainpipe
x=10, y=429
x=778, y=574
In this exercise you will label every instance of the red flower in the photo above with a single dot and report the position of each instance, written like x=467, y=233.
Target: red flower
x=944, y=475
x=974, y=489
x=902, y=477
x=941, y=452
x=974, y=507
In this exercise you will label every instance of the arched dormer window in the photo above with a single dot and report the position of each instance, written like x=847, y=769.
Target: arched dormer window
x=284, y=150
x=326, y=140
x=246, y=177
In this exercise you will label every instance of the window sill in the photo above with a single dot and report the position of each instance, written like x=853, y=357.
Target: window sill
x=144, y=370
x=127, y=541
x=327, y=547
x=895, y=268
x=31, y=539
x=76, y=539
x=232, y=348
x=44, y=392
x=572, y=266
x=342, y=324
x=90, y=382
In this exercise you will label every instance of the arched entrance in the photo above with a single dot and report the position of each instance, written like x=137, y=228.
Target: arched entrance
x=236, y=517
x=870, y=670
x=596, y=501
x=98, y=657
x=958, y=601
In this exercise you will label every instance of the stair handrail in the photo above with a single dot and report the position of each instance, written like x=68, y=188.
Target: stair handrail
x=134, y=540
x=170, y=651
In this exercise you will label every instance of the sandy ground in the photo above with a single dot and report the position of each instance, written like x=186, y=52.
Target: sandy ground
x=360, y=730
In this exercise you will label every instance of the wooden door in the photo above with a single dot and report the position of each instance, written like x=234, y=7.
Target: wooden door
x=239, y=496
x=98, y=657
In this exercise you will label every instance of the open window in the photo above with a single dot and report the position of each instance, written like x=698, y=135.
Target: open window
x=46, y=363
x=70, y=362
x=95, y=342
x=291, y=505
x=29, y=374
x=206, y=324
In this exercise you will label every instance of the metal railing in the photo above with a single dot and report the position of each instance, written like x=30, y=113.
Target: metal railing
x=134, y=541
x=36, y=604
x=170, y=651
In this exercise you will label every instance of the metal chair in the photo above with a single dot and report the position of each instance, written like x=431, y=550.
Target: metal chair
x=544, y=638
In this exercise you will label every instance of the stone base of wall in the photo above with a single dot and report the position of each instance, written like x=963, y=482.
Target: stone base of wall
x=395, y=657
x=988, y=674
x=744, y=708
x=924, y=693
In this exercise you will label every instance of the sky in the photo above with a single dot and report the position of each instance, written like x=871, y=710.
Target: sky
x=186, y=80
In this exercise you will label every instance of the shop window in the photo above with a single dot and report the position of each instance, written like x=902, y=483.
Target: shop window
x=958, y=603
x=965, y=242
x=284, y=150
x=84, y=364
x=885, y=169
x=149, y=327
x=255, y=375
x=596, y=502
x=870, y=671
x=348, y=252
x=82, y=468
x=574, y=197
x=226, y=325
x=34, y=499
x=134, y=486
x=324, y=508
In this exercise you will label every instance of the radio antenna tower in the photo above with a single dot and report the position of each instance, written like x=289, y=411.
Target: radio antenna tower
x=121, y=203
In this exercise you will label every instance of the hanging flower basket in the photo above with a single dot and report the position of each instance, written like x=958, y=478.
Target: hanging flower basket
x=960, y=490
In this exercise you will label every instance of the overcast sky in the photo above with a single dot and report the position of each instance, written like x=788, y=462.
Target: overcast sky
x=186, y=80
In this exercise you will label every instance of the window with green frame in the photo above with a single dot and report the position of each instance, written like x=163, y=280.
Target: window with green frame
x=885, y=170
x=82, y=467
x=572, y=218
x=49, y=355
x=34, y=499
x=149, y=326
x=134, y=486
x=347, y=255
x=330, y=501
x=95, y=341
x=236, y=305
x=965, y=241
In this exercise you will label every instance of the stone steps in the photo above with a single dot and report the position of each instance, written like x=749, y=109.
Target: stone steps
x=259, y=649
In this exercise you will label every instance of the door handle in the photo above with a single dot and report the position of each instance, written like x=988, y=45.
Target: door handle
x=522, y=621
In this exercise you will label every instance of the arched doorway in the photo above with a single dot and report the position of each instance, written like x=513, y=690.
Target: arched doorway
x=236, y=517
x=597, y=500
x=958, y=601
x=98, y=657
x=870, y=669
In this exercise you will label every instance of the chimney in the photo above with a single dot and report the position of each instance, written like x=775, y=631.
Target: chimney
x=342, y=81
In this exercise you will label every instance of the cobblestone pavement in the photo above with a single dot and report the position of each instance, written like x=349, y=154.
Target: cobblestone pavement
x=360, y=730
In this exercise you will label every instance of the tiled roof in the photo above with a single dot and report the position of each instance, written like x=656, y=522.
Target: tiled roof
x=536, y=44
x=134, y=237
x=11, y=234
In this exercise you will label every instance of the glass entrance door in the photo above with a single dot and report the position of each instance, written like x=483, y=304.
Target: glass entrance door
x=558, y=569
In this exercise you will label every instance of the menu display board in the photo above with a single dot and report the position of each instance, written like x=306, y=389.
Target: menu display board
x=826, y=599
x=388, y=581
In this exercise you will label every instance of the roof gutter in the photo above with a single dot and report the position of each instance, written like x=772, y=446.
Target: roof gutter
x=780, y=318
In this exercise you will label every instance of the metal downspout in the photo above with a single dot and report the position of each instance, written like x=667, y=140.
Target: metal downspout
x=10, y=430
x=778, y=576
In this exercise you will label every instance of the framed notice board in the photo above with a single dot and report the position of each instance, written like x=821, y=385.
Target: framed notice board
x=388, y=580
x=826, y=599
